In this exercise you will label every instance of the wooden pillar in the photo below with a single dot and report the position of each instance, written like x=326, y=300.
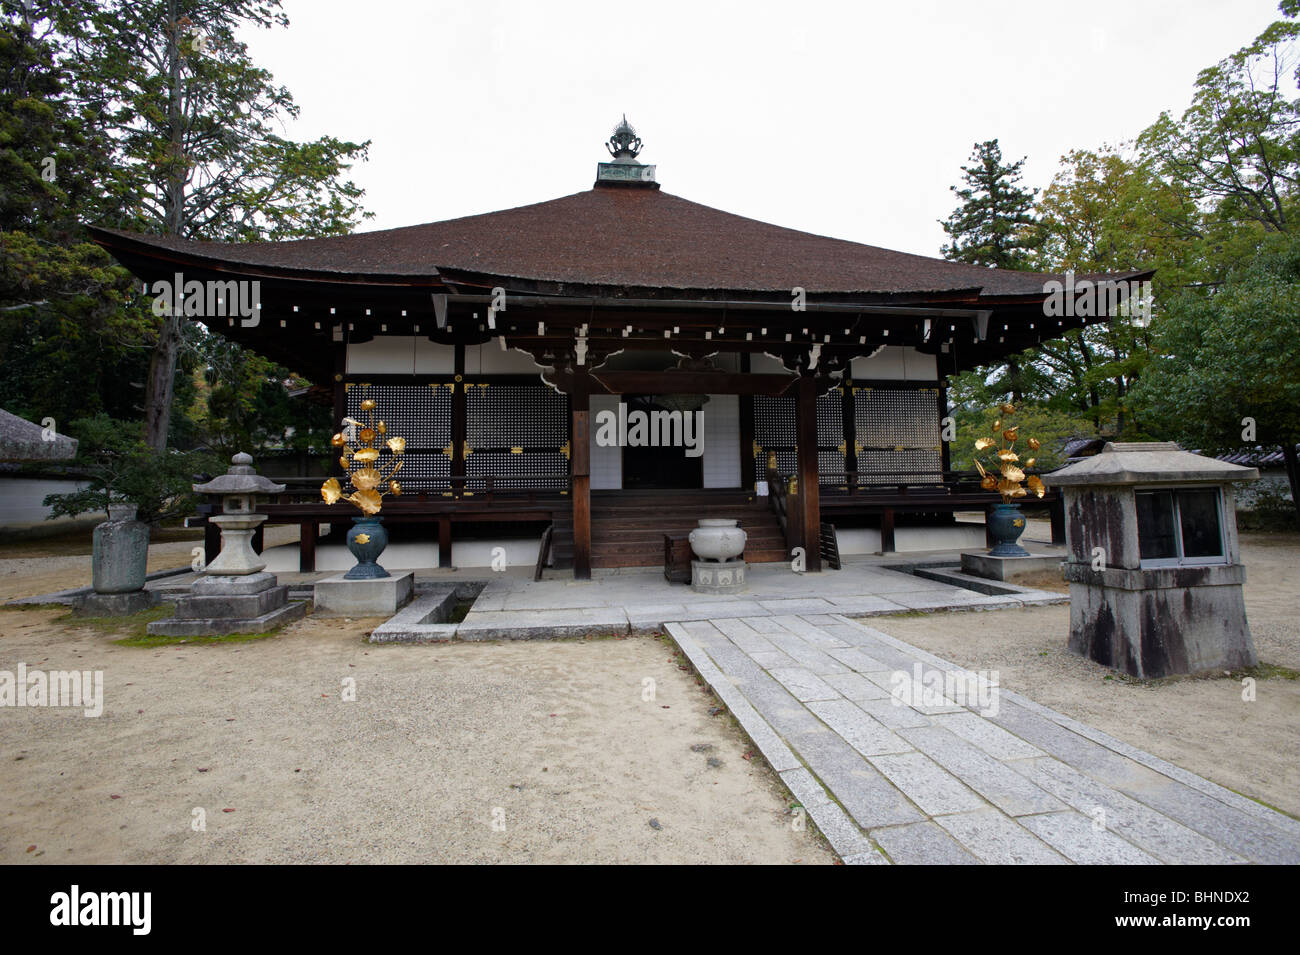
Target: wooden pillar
x=849, y=415
x=1057, y=511
x=945, y=457
x=887, y=545
x=459, y=424
x=444, y=542
x=747, y=453
x=809, y=480
x=580, y=471
x=307, y=546
x=340, y=400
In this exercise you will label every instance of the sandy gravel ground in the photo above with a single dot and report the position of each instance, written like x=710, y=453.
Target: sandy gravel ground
x=1200, y=724
x=551, y=742
x=42, y=567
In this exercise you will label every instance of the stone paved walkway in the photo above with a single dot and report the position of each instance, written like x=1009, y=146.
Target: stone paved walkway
x=512, y=607
x=935, y=781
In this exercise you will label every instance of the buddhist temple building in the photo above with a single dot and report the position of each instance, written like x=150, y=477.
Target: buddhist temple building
x=502, y=346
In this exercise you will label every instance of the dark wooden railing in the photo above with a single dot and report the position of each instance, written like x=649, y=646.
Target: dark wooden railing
x=485, y=487
x=887, y=495
x=783, y=501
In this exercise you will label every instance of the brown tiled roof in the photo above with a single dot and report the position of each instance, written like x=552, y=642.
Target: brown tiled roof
x=615, y=237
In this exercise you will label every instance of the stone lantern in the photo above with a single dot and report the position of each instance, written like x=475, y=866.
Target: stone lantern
x=233, y=593
x=238, y=523
x=1153, y=562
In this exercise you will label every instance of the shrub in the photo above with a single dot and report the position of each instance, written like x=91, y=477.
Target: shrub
x=121, y=469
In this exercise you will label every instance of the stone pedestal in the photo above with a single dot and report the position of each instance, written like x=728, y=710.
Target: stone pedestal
x=114, y=605
x=983, y=564
x=1153, y=561
x=237, y=556
x=249, y=603
x=118, y=566
x=1154, y=623
x=120, y=553
x=718, y=577
x=376, y=597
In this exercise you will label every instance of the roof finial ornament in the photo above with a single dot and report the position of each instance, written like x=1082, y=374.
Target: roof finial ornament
x=626, y=169
x=625, y=143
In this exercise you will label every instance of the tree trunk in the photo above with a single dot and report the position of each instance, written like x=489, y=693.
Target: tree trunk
x=159, y=387
x=1013, y=379
x=162, y=367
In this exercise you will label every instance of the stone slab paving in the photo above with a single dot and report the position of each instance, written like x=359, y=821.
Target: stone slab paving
x=514, y=606
x=969, y=773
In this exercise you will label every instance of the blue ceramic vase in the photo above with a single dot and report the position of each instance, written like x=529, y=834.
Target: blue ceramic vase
x=367, y=540
x=1006, y=524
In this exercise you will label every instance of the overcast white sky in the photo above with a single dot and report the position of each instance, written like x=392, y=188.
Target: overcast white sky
x=842, y=118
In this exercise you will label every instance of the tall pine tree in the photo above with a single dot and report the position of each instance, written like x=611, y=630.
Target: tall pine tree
x=994, y=226
x=192, y=124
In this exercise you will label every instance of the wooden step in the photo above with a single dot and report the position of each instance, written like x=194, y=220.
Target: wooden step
x=637, y=560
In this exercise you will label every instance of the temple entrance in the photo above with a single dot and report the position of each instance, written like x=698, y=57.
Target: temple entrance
x=657, y=441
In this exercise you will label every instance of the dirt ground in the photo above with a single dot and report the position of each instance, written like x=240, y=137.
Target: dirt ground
x=526, y=752
x=45, y=565
x=511, y=752
x=1203, y=725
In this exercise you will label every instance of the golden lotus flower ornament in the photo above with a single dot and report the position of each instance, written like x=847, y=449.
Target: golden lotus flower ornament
x=369, y=481
x=1004, y=472
x=369, y=501
x=331, y=491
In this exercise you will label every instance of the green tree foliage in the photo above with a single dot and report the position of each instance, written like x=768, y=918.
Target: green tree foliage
x=1229, y=354
x=1103, y=212
x=190, y=127
x=1199, y=197
x=64, y=305
x=245, y=401
x=1236, y=148
x=120, y=468
x=1053, y=428
x=994, y=225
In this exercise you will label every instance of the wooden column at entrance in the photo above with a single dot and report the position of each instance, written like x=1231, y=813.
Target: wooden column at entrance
x=809, y=480
x=580, y=472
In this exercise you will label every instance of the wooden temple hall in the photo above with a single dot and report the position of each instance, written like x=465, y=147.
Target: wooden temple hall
x=493, y=343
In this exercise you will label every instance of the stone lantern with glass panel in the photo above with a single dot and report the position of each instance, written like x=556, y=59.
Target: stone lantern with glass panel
x=1153, y=562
